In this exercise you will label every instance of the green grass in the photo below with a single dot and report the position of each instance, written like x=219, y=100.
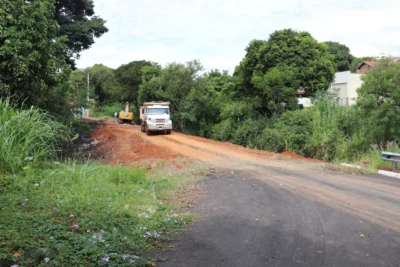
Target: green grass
x=107, y=110
x=69, y=213
x=27, y=136
x=372, y=159
x=82, y=214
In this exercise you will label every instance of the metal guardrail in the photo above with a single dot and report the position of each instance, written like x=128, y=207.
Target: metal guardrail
x=390, y=156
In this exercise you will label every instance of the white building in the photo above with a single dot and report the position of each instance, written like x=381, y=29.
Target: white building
x=346, y=85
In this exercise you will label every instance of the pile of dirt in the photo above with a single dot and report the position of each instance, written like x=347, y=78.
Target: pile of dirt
x=119, y=145
x=291, y=154
x=294, y=155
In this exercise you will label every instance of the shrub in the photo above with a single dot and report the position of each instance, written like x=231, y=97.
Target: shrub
x=108, y=109
x=27, y=136
x=291, y=132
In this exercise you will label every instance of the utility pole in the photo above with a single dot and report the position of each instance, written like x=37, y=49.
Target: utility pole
x=88, y=85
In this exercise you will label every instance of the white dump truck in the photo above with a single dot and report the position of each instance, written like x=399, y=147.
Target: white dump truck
x=155, y=117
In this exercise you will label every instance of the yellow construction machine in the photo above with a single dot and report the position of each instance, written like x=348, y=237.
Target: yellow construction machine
x=125, y=116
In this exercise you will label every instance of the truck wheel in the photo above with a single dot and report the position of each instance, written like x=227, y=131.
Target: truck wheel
x=148, y=132
x=120, y=121
x=169, y=132
x=142, y=129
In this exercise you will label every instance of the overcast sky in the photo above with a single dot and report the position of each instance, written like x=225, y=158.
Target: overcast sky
x=216, y=32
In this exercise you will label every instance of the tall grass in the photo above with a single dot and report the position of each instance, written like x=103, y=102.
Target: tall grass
x=108, y=109
x=27, y=136
x=338, y=133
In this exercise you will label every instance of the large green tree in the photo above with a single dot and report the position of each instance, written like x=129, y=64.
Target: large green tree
x=32, y=53
x=103, y=85
x=273, y=70
x=379, y=99
x=129, y=76
x=77, y=21
x=151, y=84
x=342, y=57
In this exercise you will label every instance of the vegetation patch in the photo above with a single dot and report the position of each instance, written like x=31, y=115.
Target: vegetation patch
x=72, y=214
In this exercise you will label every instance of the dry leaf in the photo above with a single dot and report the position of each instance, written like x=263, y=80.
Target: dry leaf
x=17, y=254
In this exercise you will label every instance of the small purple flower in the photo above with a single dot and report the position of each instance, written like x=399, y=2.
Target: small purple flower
x=131, y=261
x=46, y=259
x=135, y=257
x=107, y=245
x=125, y=256
x=71, y=215
x=23, y=204
x=148, y=233
x=156, y=234
x=15, y=265
x=105, y=259
x=51, y=237
x=175, y=215
x=75, y=226
x=90, y=223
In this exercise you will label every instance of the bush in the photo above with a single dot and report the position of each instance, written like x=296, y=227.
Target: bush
x=338, y=133
x=247, y=132
x=291, y=132
x=108, y=109
x=223, y=131
x=27, y=136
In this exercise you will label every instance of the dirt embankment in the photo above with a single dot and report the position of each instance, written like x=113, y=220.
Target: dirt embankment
x=116, y=144
x=125, y=144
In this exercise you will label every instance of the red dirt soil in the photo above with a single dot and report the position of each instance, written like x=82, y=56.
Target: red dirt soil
x=125, y=144
x=118, y=146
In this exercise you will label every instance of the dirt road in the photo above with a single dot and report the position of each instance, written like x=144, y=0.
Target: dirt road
x=263, y=209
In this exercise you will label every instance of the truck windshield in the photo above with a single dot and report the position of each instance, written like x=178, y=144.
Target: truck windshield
x=158, y=111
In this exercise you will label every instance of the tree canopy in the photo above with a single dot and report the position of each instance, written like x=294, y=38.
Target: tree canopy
x=342, y=57
x=77, y=21
x=32, y=53
x=273, y=70
x=379, y=98
x=129, y=76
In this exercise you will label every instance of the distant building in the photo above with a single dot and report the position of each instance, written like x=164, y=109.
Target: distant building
x=365, y=66
x=346, y=84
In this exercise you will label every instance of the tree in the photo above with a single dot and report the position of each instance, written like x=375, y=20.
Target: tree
x=77, y=21
x=129, y=76
x=104, y=84
x=32, y=53
x=379, y=99
x=273, y=70
x=342, y=57
x=151, y=84
x=77, y=88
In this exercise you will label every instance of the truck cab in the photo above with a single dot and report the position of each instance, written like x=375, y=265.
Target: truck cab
x=155, y=117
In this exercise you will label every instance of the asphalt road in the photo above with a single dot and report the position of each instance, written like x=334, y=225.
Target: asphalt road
x=245, y=221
